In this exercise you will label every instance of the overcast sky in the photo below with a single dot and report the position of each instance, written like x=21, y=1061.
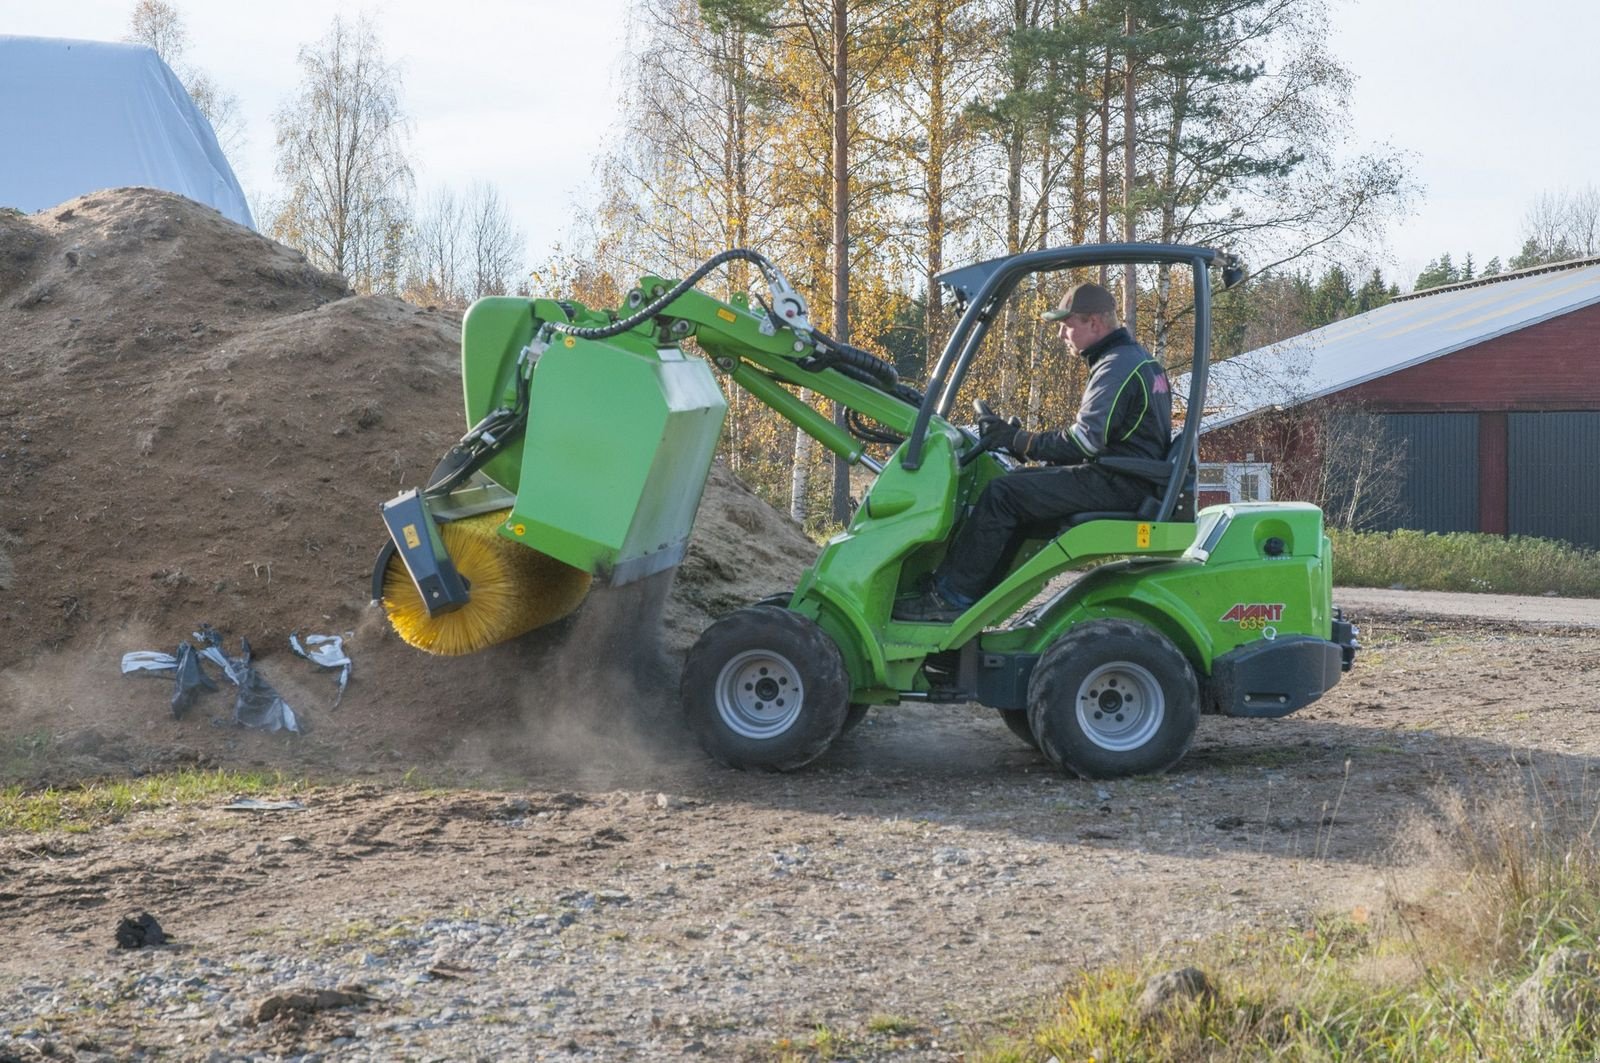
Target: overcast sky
x=1496, y=102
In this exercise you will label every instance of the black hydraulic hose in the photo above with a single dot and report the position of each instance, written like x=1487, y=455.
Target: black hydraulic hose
x=886, y=375
x=497, y=430
x=907, y=394
x=650, y=309
x=853, y=362
x=862, y=366
x=871, y=432
x=864, y=376
x=855, y=422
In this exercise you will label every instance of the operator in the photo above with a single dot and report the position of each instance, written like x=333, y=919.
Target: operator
x=1126, y=411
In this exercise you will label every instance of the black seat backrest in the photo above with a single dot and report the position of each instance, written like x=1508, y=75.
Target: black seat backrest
x=1153, y=473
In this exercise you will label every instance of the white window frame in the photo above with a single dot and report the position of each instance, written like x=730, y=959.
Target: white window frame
x=1232, y=479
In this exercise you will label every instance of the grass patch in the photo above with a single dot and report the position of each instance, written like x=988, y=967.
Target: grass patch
x=1462, y=561
x=83, y=808
x=1437, y=979
x=890, y=1024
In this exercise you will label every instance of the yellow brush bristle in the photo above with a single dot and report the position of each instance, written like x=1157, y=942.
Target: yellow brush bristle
x=513, y=590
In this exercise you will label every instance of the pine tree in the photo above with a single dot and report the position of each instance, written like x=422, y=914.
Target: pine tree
x=1438, y=272
x=1332, y=299
x=1374, y=293
x=1536, y=254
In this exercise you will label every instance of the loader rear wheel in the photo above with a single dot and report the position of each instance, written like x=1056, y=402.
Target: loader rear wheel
x=1113, y=698
x=765, y=688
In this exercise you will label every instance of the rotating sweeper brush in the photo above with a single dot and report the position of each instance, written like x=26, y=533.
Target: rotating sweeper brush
x=513, y=590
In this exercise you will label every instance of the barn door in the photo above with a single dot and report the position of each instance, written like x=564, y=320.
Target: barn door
x=1553, y=476
x=1439, y=492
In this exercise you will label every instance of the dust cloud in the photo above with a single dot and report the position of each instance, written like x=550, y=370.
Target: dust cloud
x=601, y=697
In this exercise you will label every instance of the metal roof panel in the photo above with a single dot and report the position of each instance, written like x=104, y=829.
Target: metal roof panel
x=1396, y=336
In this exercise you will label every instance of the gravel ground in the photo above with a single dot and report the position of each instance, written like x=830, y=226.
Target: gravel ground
x=925, y=884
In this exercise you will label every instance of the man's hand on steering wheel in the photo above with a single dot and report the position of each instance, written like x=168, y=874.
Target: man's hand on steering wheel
x=995, y=432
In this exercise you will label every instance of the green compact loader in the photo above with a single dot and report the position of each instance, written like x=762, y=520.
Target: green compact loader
x=1172, y=614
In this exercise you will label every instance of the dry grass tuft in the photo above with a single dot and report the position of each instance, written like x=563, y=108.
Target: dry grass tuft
x=1448, y=975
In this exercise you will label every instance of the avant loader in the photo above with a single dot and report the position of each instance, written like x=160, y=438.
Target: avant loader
x=1174, y=613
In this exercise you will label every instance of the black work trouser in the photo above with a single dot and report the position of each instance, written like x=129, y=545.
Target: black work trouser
x=1026, y=504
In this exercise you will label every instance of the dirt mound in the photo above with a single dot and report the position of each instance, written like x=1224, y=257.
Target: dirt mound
x=198, y=427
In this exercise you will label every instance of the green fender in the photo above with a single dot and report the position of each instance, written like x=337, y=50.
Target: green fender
x=1147, y=591
x=858, y=645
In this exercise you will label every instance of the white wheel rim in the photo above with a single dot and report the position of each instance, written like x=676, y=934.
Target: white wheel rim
x=759, y=694
x=1120, y=706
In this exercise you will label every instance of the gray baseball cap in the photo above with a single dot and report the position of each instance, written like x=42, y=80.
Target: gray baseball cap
x=1086, y=298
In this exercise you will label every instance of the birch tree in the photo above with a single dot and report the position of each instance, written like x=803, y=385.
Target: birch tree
x=160, y=26
x=342, y=157
x=1560, y=225
x=462, y=248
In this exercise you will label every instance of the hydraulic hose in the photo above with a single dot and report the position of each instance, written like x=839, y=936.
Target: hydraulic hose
x=655, y=306
x=838, y=354
x=829, y=353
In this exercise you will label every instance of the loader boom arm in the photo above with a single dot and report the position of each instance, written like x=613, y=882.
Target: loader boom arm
x=767, y=359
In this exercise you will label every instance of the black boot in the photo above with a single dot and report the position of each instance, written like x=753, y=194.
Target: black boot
x=930, y=607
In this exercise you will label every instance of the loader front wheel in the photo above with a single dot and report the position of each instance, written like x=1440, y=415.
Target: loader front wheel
x=765, y=688
x=1016, y=720
x=1112, y=698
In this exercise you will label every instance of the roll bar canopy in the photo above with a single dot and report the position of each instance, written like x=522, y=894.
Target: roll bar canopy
x=983, y=288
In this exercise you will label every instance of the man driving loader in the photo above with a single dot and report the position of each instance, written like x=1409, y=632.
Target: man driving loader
x=1126, y=411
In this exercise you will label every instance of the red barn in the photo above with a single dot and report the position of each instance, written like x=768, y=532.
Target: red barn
x=1473, y=407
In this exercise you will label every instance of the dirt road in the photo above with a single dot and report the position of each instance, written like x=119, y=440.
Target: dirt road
x=927, y=879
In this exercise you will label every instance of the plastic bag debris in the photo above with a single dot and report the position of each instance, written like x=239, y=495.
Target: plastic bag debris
x=255, y=804
x=147, y=661
x=328, y=651
x=190, y=678
x=256, y=705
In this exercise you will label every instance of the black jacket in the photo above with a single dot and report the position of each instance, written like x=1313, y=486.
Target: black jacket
x=1126, y=410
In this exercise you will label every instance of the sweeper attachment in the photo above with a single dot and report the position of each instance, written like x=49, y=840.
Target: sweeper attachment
x=593, y=435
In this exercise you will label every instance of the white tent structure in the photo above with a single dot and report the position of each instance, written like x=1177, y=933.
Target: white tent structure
x=80, y=116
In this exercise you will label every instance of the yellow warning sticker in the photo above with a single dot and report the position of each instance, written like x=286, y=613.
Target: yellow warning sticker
x=570, y=341
x=412, y=539
x=727, y=315
x=1143, y=536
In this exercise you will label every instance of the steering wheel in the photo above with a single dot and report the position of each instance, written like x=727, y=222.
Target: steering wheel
x=980, y=445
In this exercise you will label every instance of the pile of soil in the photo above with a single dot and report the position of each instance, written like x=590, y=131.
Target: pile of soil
x=196, y=426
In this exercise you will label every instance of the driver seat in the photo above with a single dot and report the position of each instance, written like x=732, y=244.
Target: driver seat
x=1154, y=474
